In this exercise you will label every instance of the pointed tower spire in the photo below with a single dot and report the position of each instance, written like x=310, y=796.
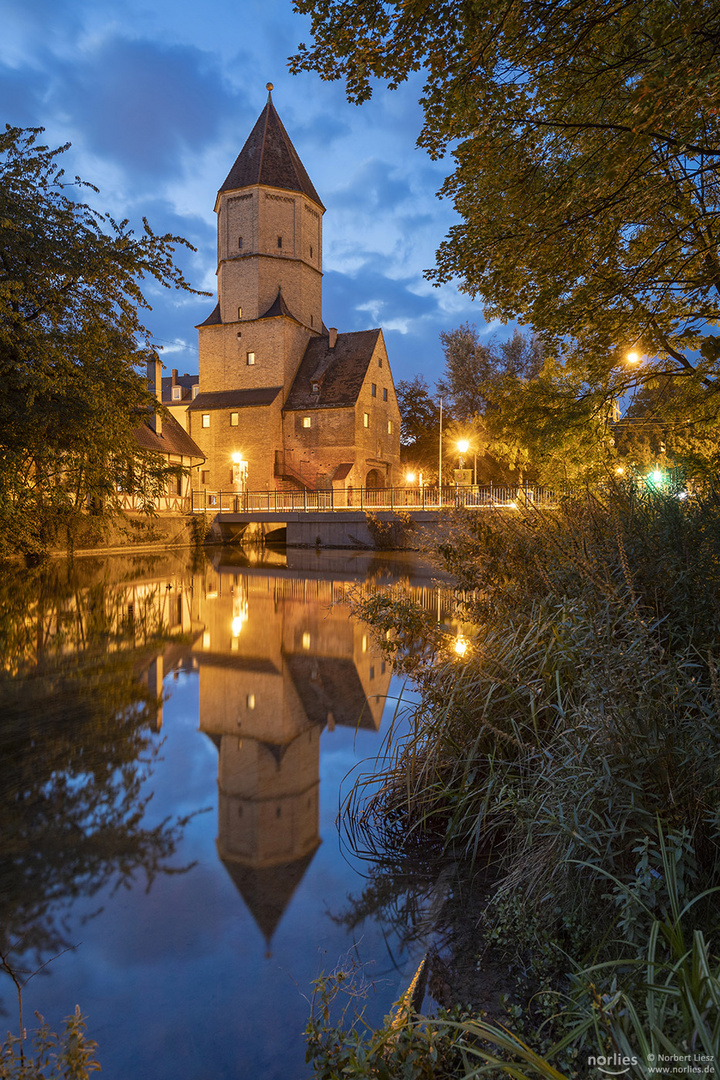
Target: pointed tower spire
x=269, y=157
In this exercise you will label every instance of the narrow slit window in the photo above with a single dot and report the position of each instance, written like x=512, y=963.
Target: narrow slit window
x=251, y=358
x=384, y=394
x=311, y=251
x=307, y=422
x=240, y=243
x=390, y=427
x=239, y=313
x=373, y=390
x=233, y=419
x=366, y=419
x=279, y=241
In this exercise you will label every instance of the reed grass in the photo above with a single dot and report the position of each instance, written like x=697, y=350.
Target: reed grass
x=576, y=744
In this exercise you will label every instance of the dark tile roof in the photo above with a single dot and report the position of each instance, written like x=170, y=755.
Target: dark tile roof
x=173, y=440
x=343, y=471
x=268, y=157
x=278, y=308
x=327, y=684
x=235, y=399
x=267, y=890
x=338, y=372
x=213, y=318
x=185, y=382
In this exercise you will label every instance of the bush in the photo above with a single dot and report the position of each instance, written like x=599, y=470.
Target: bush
x=575, y=743
x=65, y=1056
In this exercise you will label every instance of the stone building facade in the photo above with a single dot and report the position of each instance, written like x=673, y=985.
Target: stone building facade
x=283, y=402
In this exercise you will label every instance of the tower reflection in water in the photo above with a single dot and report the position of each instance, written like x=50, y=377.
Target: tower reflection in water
x=279, y=660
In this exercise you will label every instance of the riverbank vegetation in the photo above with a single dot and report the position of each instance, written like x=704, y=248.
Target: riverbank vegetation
x=569, y=749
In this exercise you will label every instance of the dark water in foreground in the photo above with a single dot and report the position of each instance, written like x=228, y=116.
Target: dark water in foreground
x=200, y=917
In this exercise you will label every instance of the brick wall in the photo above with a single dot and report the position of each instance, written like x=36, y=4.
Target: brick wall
x=278, y=345
x=249, y=276
x=256, y=437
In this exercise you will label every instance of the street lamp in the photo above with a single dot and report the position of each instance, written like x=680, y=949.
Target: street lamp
x=410, y=478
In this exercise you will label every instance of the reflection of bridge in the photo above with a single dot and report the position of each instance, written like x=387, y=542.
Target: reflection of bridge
x=339, y=518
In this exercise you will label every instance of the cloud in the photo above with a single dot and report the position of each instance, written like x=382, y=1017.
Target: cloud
x=141, y=104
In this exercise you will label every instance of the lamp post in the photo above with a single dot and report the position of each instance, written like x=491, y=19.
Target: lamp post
x=440, y=458
x=461, y=479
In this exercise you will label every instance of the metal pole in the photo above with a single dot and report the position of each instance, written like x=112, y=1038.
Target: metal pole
x=440, y=454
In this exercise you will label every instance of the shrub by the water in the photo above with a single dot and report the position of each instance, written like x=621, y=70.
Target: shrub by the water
x=576, y=743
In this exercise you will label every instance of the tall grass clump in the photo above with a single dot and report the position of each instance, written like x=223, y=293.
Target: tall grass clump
x=576, y=744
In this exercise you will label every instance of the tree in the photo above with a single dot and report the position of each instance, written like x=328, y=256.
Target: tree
x=71, y=341
x=474, y=371
x=586, y=140
x=419, y=424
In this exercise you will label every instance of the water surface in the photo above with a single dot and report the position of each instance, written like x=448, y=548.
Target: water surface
x=174, y=736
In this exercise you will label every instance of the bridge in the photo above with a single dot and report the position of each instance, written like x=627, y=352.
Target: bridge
x=352, y=517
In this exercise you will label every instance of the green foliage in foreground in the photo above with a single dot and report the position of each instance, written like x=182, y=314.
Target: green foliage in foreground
x=71, y=341
x=575, y=746
x=69, y=1055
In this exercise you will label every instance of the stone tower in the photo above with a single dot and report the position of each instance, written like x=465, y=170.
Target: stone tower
x=283, y=402
x=269, y=254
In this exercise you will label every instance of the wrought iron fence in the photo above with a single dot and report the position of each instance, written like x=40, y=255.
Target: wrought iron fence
x=392, y=498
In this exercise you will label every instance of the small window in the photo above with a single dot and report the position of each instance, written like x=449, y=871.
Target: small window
x=379, y=361
x=239, y=313
x=384, y=394
x=311, y=320
x=195, y=391
x=372, y=672
x=373, y=390
x=390, y=427
x=311, y=253
x=177, y=393
x=206, y=419
x=279, y=241
x=307, y=422
x=306, y=641
x=250, y=701
x=233, y=419
x=251, y=358
x=204, y=476
x=240, y=242
x=366, y=419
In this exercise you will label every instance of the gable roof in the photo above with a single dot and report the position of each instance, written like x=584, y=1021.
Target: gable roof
x=185, y=382
x=338, y=372
x=235, y=399
x=173, y=440
x=268, y=157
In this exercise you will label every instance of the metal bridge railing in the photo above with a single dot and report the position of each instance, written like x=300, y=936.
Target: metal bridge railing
x=392, y=498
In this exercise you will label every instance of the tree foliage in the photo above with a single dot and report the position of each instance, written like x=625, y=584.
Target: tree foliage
x=586, y=142
x=71, y=340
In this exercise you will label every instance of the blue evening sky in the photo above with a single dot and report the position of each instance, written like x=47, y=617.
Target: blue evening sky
x=157, y=100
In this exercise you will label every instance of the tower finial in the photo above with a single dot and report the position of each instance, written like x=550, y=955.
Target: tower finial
x=269, y=88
